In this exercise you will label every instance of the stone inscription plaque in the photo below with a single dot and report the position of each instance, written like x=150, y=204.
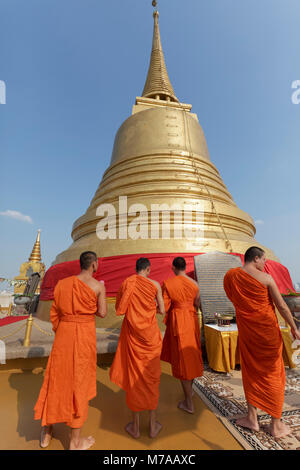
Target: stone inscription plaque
x=210, y=269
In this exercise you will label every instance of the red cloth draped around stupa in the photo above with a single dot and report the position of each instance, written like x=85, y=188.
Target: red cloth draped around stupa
x=114, y=269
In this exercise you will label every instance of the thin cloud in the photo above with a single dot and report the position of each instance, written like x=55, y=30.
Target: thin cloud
x=17, y=215
x=259, y=222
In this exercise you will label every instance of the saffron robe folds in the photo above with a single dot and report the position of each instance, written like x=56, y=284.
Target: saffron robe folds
x=260, y=341
x=70, y=377
x=182, y=343
x=136, y=366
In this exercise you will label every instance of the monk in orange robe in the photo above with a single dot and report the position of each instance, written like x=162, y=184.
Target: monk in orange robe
x=70, y=377
x=253, y=294
x=182, y=343
x=136, y=366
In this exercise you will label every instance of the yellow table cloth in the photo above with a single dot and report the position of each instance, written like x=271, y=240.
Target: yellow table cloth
x=223, y=350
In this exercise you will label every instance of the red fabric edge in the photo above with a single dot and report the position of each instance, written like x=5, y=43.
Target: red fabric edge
x=10, y=319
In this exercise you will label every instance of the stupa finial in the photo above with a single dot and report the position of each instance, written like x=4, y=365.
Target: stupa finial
x=158, y=85
x=36, y=250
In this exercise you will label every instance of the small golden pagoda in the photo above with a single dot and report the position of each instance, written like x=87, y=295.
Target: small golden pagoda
x=33, y=265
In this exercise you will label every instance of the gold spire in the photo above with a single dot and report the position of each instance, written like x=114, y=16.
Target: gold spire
x=158, y=84
x=36, y=250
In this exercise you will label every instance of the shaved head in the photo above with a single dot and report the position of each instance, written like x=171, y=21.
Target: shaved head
x=142, y=264
x=87, y=258
x=179, y=263
x=252, y=252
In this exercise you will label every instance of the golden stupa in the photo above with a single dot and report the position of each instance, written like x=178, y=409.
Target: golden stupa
x=33, y=265
x=160, y=156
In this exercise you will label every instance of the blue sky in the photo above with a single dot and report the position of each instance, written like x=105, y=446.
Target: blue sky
x=72, y=70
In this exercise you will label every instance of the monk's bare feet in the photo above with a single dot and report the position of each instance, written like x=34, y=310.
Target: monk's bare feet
x=248, y=423
x=279, y=429
x=185, y=407
x=155, y=429
x=46, y=436
x=83, y=443
x=132, y=430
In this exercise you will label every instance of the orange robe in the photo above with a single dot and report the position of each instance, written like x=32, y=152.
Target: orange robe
x=260, y=341
x=70, y=377
x=136, y=366
x=182, y=343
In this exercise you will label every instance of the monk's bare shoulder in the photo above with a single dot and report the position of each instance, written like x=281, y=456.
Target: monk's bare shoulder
x=262, y=277
x=157, y=284
x=97, y=286
x=267, y=276
x=100, y=285
x=193, y=281
x=268, y=279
